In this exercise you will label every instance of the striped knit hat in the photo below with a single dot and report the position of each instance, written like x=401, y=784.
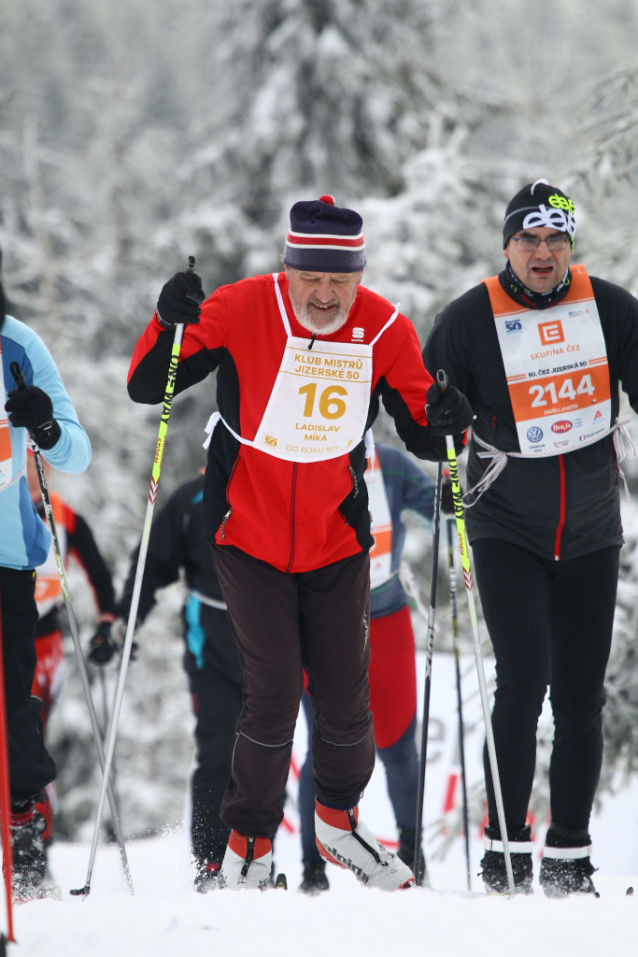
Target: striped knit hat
x=324, y=237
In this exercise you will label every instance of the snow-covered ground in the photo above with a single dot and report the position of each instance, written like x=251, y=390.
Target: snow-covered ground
x=166, y=918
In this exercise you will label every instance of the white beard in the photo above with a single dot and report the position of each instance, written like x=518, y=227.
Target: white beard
x=337, y=322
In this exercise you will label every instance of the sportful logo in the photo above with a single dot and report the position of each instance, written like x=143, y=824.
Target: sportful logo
x=358, y=333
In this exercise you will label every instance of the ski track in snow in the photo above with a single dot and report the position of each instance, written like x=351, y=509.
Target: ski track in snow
x=166, y=917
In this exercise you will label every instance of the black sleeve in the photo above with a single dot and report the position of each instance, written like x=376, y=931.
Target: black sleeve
x=83, y=546
x=618, y=311
x=164, y=559
x=148, y=380
x=418, y=439
x=447, y=346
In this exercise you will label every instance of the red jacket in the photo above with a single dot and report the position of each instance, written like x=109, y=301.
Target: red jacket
x=295, y=516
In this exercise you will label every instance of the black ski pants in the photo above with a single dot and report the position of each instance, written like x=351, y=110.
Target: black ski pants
x=30, y=765
x=283, y=623
x=216, y=684
x=550, y=624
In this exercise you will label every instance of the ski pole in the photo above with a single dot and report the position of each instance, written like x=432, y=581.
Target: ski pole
x=18, y=375
x=459, y=699
x=137, y=588
x=429, y=647
x=442, y=380
x=5, y=796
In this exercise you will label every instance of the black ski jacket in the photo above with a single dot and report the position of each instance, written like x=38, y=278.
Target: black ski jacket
x=176, y=543
x=559, y=507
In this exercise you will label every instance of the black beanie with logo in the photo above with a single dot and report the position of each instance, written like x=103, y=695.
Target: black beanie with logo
x=539, y=204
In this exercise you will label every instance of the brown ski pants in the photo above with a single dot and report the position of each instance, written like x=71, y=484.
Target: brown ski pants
x=317, y=621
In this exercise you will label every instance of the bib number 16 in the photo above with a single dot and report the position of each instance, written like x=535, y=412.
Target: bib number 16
x=567, y=391
x=330, y=406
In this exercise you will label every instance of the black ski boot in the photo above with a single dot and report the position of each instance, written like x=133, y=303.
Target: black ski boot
x=566, y=867
x=206, y=876
x=29, y=854
x=494, y=873
x=407, y=838
x=314, y=877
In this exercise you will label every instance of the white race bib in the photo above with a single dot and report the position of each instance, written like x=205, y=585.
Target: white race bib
x=381, y=526
x=556, y=366
x=319, y=404
x=48, y=589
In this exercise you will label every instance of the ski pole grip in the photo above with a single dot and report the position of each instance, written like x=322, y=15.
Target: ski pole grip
x=190, y=265
x=442, y=380
x=18, y=375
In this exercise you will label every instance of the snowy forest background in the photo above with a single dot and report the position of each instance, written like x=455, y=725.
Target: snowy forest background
x=134, y=133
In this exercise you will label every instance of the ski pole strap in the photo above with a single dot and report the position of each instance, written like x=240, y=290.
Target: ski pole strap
x=205, y=600
x=16, y=478
x=499, y=459
x=408, y=581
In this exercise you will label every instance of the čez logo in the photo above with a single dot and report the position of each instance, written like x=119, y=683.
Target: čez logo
x=513, y=325
x=534, y=434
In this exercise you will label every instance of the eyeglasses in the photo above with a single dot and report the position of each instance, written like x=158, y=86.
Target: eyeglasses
x=529, y=244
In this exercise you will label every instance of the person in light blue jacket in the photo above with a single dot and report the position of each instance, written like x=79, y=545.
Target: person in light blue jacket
x=43, y=409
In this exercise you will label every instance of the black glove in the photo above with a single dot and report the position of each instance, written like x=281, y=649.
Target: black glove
x=108, y=639
x=449, y=412
x=31, y=408
x=180, y=300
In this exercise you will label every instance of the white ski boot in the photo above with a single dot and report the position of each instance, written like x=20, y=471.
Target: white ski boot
x=345, y=840
x=247, y=863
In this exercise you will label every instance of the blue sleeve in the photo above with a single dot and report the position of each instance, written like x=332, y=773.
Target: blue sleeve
x=72, y=452
x=417, y=489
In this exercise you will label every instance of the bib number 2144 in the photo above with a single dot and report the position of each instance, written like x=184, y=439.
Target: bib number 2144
x=567, y=391
x=330, y=405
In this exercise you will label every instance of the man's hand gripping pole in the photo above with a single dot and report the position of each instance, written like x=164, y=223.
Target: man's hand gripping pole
x=137, y=588
x=442, y=381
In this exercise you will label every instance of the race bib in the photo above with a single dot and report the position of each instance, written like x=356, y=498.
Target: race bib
x=556, y=366
x=381, y=525
x=6, y=465
x=48, y=589
x=319, y=404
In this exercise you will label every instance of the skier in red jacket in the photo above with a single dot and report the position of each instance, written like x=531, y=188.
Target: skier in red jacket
x=304, y=358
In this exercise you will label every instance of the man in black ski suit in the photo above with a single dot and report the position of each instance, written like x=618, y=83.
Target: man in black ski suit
x=540, y=352
x=211, y=660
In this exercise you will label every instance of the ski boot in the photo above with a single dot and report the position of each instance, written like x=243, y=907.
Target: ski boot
x=345, y=840
x=407, y=837
x=494, y=872
x=314, y=877
x=566, y=867
x=247, y=863
x=206, y=876
x=29, y=853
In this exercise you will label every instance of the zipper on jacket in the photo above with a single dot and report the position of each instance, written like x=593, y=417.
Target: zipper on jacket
x=354, y=481
x=226, y=517
x=230, y=507
x=561, y=518
x=293, y=494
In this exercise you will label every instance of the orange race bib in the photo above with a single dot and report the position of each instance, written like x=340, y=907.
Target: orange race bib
x=556, y=366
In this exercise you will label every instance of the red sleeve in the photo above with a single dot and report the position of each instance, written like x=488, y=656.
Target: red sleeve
x=404, y=371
